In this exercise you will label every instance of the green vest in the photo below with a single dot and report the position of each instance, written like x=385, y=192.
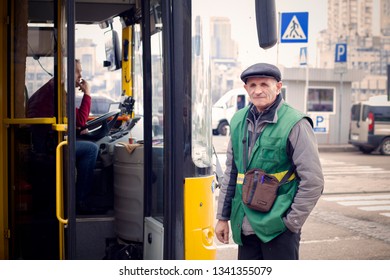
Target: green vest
x=269, y=153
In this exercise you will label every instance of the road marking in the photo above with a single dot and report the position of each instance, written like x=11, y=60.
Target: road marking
x=332, y=167
x=328, y=173
x=336, y=239
x=358, y=197
x=364, y=202
x=371, y=202
x=376, y=208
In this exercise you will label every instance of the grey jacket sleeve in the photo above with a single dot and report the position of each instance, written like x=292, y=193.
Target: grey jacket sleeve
x=308, y=168
x=228, y=187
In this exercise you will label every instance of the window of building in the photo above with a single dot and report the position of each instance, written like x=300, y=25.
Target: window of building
x=321, y=100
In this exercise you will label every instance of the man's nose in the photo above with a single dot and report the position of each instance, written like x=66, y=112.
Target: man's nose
x=258, y=89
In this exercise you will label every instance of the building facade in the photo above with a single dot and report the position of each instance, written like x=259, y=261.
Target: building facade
x=225, y=67
x=351, y=22
x=325, y=96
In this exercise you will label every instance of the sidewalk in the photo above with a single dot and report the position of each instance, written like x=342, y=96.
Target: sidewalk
x=333, y=148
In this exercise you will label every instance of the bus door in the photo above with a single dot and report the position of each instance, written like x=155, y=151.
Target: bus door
x=37, y=123
x=167, y=72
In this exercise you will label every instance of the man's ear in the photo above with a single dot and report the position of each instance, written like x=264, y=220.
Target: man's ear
x=279, y=86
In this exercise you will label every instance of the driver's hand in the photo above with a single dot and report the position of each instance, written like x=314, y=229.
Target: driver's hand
x=83, y=86
x=84, y=131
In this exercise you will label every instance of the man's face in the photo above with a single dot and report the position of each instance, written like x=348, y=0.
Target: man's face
x=262, y=91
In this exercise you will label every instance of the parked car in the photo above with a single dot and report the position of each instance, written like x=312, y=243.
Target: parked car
x=370, y=125
x=100, y=103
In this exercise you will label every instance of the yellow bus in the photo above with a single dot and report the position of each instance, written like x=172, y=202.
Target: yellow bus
x=153, y=182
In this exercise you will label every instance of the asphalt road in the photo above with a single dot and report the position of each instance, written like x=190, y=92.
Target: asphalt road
x=351, y=221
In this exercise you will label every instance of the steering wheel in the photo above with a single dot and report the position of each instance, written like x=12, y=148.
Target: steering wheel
x=101, y=126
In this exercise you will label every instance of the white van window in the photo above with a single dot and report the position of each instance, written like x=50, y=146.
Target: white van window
x=366, y=110
x=240, y=101
x=232, y=102
x=381, y=113
x=355, y=112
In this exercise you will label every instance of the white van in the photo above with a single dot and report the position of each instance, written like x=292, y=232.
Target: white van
x=224, y=109
x=370, y=125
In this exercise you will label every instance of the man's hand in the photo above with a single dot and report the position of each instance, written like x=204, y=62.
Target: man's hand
x=222, y=231
x=84, y=131
x=83, y=86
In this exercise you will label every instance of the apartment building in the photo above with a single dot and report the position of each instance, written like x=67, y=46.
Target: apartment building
x=351, y=22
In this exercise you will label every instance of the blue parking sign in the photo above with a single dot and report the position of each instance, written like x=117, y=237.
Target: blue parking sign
x=320, y=123
x=341, y=53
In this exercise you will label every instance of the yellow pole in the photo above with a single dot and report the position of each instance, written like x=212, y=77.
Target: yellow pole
x=127, y=42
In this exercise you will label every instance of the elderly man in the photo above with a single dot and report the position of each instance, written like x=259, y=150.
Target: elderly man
x=269, y=134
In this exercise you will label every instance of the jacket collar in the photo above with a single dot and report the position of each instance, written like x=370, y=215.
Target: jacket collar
x=269, y=114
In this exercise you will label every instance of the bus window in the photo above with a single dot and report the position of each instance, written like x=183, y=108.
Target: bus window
x=158, y=137
x=138, y=68
x=201, y=97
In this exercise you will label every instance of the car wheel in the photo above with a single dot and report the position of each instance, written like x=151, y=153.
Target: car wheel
x=385, y=147
x=223, y=128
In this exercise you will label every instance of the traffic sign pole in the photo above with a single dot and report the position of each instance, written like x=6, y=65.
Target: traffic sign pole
x=341, y=61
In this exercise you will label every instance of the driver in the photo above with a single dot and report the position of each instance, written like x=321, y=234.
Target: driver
x=41, y=105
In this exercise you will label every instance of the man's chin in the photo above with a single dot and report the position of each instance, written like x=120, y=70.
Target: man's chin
x=261, y=105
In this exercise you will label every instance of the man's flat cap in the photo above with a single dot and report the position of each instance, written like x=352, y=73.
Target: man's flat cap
x=261, y=70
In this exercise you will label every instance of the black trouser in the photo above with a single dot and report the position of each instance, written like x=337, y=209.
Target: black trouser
x=283, y=247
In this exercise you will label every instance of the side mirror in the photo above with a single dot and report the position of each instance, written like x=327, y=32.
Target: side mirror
x=266, y=23
x=113, y=59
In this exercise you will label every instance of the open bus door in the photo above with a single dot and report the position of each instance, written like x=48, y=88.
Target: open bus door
x=165, y=69
x=39, y=152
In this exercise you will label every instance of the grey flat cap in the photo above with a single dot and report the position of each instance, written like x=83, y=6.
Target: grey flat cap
x=261, y=70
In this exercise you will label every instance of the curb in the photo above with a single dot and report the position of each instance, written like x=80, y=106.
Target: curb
x=336, y=148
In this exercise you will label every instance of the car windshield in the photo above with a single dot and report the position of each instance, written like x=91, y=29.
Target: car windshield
x=99, y=105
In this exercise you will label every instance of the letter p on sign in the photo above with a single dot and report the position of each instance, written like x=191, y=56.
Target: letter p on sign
x=319, y=120
x=341, y=53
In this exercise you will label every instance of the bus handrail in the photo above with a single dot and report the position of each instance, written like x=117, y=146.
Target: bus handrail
x=59, y=196
x=30, y=120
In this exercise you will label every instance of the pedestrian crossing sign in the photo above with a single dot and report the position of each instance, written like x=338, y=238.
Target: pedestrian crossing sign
x=294, y=27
